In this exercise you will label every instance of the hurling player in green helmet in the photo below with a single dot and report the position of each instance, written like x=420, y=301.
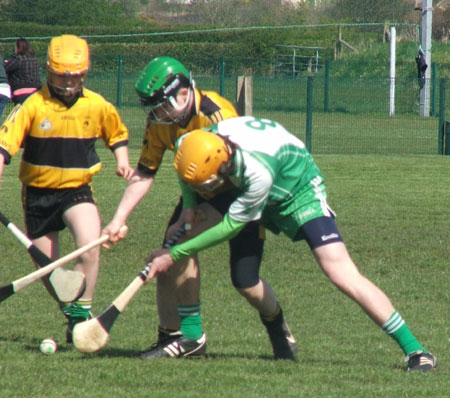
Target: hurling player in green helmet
x=175, y=107
x=158, y=86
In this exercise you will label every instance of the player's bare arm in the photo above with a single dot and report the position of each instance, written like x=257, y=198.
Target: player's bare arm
x=123, y=167
x=137, y=187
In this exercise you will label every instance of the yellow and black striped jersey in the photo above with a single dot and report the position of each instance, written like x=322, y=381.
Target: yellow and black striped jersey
x=59, y=142
x=210, y=108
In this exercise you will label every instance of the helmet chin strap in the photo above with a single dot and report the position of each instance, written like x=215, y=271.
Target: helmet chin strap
x=62, y=88
x=183, y=110
x=66, y=98
x=65, y=91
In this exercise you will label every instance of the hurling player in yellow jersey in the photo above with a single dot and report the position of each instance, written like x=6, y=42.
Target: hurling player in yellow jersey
x=57, y=127
x=176, y=106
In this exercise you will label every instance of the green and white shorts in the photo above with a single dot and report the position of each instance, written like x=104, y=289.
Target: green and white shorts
x=306, y=216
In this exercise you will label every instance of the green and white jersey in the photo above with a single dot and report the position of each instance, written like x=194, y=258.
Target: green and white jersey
x=278, y=184
x=272, y=166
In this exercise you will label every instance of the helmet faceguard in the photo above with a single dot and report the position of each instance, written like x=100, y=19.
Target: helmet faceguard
x=200, y=159
x=168, y=110
x=67, y=64
x=65, y=85
x=158, y=86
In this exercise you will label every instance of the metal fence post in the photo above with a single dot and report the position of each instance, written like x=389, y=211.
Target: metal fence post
x=433, y=88
x=119, y=82
x=327, y=86
x=222, y=76
x=442, y=124
x=309, y=98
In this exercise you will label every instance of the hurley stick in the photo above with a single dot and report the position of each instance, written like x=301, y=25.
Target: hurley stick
x=93, y=334
x=68, y=285
x=15, y=286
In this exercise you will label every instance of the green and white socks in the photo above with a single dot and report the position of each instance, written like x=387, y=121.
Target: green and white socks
x=78, y=310
x=397, y=328
x=190, y=321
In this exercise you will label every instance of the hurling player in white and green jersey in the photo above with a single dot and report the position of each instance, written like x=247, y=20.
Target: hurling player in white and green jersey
x=274, y=180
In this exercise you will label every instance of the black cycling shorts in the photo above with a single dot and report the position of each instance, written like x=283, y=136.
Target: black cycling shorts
x=44, y=207
x=246, y=249
x=319, y=232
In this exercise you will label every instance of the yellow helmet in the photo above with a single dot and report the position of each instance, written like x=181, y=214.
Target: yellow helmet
x=68, y=54
x=199, y=158
x=67, y=64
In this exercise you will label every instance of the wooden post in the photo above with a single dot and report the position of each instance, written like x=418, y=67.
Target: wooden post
x=337, y=51
x=244, y=93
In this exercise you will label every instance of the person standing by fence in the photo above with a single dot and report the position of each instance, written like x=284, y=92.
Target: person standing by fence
x=5, y=89
x=23, y=71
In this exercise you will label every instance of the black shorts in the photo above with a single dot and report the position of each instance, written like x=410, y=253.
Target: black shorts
x=246, y=249
x=319, y=232
x=44, y=208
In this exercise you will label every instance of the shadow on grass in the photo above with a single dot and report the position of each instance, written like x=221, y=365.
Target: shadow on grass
x=13, y=339
x=113, y=353
x=32, y=345
x=128, y=353
x=247, y=356
x=106, y=353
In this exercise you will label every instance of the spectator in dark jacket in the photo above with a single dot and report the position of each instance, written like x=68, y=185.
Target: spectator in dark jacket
x=23, y=72
x=5, y=90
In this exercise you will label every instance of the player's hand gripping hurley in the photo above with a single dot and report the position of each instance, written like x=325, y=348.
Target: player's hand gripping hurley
x=93, y=335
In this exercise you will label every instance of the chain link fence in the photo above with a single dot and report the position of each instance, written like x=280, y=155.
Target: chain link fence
x=344, y=114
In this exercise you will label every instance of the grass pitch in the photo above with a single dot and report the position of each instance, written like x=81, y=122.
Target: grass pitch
x=393, y=214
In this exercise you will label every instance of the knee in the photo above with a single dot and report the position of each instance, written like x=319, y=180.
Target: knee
x=244, y=271
x=250, y=293
x=90, y=258
x=346, y=279
x=181, y=271
x=243, y=283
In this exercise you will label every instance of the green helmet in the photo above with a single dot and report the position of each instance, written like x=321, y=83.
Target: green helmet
x=161, y=79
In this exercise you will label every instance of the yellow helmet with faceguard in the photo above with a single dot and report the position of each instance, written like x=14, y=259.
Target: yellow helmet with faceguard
x=199, y=159
x=67, y=64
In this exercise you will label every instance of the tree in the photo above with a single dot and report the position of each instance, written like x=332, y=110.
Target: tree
x=63, y=12
x=130, y=8
x=360, y=11
x=243, y=12
x=441, y=24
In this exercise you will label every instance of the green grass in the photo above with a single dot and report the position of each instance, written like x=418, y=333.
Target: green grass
x=393, y=214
